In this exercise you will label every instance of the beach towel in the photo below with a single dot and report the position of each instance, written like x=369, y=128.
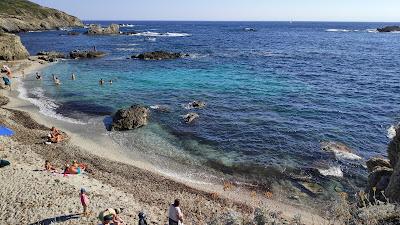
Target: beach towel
x=6, y=81
x=4, y=131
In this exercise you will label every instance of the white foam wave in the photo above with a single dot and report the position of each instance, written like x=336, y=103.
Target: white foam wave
x=126, y=25
x=331, y=171
x=126, y=49
x=391, y=132
x=346, y=155
x=337, y=30
x=156, y=34
x=372, y=30
x=47, y=106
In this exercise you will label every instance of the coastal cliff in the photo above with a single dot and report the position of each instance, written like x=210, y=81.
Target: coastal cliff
x=11, y=47
x=22, y=15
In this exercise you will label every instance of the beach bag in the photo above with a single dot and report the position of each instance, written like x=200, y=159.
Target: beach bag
x=6, y=81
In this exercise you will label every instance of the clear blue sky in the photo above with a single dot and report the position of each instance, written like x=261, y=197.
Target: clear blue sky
x=256, y=10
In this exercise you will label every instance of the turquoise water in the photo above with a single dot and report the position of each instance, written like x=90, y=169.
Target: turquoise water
x=272, y=95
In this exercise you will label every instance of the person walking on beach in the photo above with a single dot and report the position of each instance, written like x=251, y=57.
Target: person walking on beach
x=73, y=76
x=175, y=214
x=84, y=201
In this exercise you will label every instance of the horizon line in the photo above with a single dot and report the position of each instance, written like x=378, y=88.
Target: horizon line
x=294, y=21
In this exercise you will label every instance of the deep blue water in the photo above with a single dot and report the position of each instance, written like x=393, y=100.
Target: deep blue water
x=272, y=95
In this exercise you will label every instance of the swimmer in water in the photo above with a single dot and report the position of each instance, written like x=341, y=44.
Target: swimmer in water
x=57, y=81
x=101, y=81
x=73, y=76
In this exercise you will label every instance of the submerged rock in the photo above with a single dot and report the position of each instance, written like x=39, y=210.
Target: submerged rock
x=389, y=29
x=73, y=33
x=190, y=117
x=340, y=150
x=96, y=29
x=11, y=47
x=196, y=105
x=158, y=55
x=130, y=118
x=86, y=54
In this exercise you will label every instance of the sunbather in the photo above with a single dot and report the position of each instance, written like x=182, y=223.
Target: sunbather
x=48, y=166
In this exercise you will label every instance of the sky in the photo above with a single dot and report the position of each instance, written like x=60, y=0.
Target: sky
x=231, y=10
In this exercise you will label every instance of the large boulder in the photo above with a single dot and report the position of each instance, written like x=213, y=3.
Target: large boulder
x=11, y=47
x=190, y=117
x=130, y=118
x=96, y=29
x=158, y=55
x=389, y=29
x=86, y=54
x=340, y=150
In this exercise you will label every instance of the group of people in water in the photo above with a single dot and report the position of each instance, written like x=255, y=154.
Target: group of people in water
x=57, y=81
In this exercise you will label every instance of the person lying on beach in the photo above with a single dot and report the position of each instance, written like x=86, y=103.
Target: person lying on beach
x=55, y=136
x=107, y=220
x=75, y=168
x=48, y=166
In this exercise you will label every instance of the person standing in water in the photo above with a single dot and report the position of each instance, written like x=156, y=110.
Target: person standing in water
x=110, y=81
x=57, y=81
x=54, y=77
x=38, y=77
x=73, y=76
x=101, y=81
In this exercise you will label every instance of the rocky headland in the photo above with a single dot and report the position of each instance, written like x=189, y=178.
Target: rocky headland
x=11, y=47
x=389, y=29
x=22, y=15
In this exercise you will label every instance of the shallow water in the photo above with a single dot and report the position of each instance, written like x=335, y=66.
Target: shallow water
x=272, y=95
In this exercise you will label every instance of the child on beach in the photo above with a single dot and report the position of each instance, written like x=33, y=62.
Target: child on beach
x=175, y=214
x=84, y=201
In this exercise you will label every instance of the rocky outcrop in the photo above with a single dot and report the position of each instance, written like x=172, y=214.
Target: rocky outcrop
x=389, y=29
x=197, y=105
x=385, y=174
x=393, y=190
x=86, y=54
x=95, y=29
x=130, y=118
x=23, y=15
x=158, y=55
x=51, y=56
x=11, y=47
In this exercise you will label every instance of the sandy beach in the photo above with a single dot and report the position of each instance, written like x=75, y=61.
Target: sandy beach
x=33, y=196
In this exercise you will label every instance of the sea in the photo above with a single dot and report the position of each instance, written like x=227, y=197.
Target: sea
x=274, y=91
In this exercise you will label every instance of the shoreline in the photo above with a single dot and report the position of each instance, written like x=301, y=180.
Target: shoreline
x=96, y=153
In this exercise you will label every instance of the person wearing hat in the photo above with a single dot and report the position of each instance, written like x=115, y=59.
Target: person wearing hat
x=84, y=201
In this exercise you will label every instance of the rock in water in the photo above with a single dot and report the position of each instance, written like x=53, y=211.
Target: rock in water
x=340, y=150
x=389, y=29
x=86, y=54
x=23, y=15
x=98, y=30
x=11, y=47
x=51, y=56
x=157, y=55
x=130, y=118
x=190, y=117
